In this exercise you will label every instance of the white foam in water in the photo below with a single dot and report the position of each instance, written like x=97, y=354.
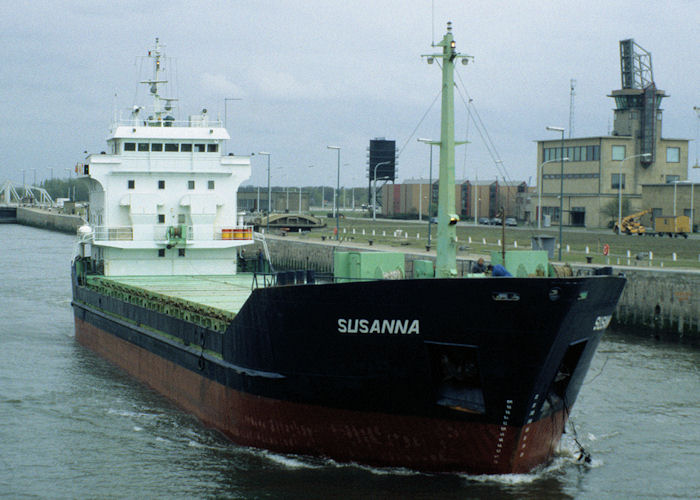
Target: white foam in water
x=288, y=461
x=137, y=428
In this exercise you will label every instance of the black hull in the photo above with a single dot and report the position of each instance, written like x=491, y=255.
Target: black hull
x=472, y=375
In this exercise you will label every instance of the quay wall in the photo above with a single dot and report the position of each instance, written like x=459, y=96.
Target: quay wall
x=663, y=303
x=46, y=219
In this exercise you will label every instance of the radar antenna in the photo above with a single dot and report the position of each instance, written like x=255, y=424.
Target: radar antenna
x=161, y=105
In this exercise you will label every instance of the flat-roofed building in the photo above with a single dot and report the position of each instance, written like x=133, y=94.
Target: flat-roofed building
x=598, y=167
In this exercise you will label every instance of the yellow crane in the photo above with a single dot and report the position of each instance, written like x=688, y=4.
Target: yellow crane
x=630, y=224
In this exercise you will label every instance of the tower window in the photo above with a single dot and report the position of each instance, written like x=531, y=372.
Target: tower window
x=161, y=218
x=673, y=155
x=618, y=153
x=615, y=184
x=161, y=252
x=161, y=184
x=181, y=252
x=131, y=184
x=190, y=184
x=210, y=185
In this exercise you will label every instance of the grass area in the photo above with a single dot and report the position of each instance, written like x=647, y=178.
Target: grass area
x=485, y=239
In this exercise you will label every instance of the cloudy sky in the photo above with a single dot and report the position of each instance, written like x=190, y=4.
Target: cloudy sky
x=315, y=73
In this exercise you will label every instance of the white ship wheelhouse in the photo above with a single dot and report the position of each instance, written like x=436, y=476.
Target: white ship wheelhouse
x=163, y=199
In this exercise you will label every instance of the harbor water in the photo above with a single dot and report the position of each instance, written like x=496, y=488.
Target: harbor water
x=74, y=426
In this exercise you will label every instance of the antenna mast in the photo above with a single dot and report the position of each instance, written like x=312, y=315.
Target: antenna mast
x=572, y=94
x=697, y=136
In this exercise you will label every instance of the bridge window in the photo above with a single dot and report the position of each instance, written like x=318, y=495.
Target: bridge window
x=172, y=147
x=131, y=184
x=156, y=146
x=186, y=148
x=210, y=185
x=190, y=184
x=161, y=252
x=143, y=146
x=180, y=218
x=212, y=148
x=161, y=184
x=180, y=252
x=200, y=148
x=161, y=218
x=129, y=146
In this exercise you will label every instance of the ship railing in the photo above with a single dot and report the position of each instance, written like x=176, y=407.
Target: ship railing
x=113, y=233
x=159, y=233
x=192, y=123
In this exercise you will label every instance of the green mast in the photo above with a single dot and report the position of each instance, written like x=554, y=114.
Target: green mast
x=446, y=264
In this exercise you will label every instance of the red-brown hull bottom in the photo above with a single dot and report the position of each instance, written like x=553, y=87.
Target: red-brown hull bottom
x=420, y=443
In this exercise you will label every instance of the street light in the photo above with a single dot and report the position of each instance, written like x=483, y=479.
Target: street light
x=374, y=191
x=619, y=189
x=269, y=190
x=430, y=181
x=226, y=100
x=561, y=185
x=336, y=195
x=539, y=192
x=692, y=189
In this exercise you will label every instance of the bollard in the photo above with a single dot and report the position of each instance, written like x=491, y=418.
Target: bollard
x=383, y=233
x=363, y=232
x=499, y=243
x=353, y=230
x=483, y=241
x=470, y=240
x=588, y=250
x=568, y=249
x=674, y=256
x=515, y=243
x=373, y=232
x=417, y=236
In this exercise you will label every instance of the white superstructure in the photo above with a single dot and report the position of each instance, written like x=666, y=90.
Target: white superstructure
x=163, y=197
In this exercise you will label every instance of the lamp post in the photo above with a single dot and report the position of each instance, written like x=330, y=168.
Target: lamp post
x=561, y=185
x=430, y=181
x=374, y=191
x=539, y=192
x=336, y=195
x=269, y=191
x=619, y=189
x=226, y=100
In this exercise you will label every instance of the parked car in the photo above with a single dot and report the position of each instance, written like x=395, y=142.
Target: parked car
x=496, y=221
x=484, y=220
x=510, y=221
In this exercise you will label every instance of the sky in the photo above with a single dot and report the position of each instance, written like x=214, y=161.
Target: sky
x=300, y=76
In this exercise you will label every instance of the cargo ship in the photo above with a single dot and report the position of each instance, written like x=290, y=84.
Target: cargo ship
x=431, y=372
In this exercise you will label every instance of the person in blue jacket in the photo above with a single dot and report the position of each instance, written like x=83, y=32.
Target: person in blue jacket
x=499, y=270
